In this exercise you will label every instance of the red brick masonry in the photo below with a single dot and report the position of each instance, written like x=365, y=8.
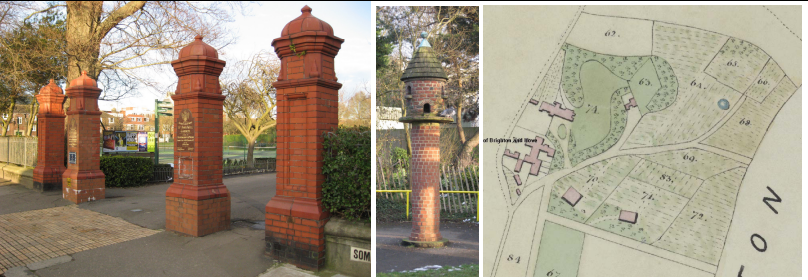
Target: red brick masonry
x=83, y=180
x=424, y=172
x=424, y=92
x=197, y=217
x=51, y=141
x=307, y=108
x=198, y=203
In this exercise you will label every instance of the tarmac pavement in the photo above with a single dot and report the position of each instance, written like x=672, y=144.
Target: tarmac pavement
x=463, y=248
x=235, y=252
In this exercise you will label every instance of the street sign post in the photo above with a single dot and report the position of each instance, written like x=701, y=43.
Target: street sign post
x=163, y=108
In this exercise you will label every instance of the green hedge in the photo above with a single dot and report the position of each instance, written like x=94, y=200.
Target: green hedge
x=346, y=166
x=123, y=171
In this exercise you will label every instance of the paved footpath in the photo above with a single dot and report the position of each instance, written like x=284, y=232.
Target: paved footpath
x=123, y=235
x=463, y=248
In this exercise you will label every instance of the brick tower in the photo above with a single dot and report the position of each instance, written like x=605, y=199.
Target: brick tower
x=424, y=82
x=307, y=107
x=198, y=203
x=51, y=141
x=83, y=180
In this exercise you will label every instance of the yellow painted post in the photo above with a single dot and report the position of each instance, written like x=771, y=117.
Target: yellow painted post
x=408, y=205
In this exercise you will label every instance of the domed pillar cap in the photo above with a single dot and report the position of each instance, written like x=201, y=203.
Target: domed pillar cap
x=51, y=89
x=83, y=80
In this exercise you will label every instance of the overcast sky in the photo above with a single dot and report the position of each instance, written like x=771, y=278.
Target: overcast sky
x=254, y=32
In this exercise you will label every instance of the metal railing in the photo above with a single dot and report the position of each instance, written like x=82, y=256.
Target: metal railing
x=408, y=192
x=236, y=167
x=19, y=150
x=459, y=188
x=163, y=174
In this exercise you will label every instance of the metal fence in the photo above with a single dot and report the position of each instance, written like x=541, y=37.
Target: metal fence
x=236, y=167
x=459, y=191
x=18, y=150
x=165, y=173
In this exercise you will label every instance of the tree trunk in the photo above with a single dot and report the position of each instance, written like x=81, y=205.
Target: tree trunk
x=407, y=137
x=460, y=132
x=464, y=158
x=7, y=122
x=250, y=149
x=83, y=44
x=34, y=110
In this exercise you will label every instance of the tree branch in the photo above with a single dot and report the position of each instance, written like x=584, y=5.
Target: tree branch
x=43, y=11
x=117, y=16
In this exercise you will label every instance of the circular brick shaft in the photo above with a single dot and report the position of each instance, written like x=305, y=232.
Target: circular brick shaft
x=424, y=81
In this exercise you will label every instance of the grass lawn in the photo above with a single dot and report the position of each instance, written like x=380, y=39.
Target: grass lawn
x=466, y=270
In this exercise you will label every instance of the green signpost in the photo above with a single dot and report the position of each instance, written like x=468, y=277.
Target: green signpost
x=161, y=108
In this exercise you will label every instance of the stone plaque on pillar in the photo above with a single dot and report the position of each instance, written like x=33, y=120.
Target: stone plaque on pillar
x=198, y=203
x=184, y=142
x=86, y=181
x=50, y=141
x=307, y=107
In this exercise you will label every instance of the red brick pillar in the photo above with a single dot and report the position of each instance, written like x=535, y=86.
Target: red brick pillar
x=424, y=82
x=307, y=107
x=425, y=176
x=83, y=180
x=197, y=203
x=51, y=139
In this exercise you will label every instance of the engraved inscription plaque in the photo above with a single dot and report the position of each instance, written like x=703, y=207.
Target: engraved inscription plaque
x=185, y=141
x=72, y=134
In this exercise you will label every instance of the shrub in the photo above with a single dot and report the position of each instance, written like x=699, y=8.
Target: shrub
x=124, y=171
x=346, y=166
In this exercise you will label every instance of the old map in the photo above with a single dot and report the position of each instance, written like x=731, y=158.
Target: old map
x=642, y=141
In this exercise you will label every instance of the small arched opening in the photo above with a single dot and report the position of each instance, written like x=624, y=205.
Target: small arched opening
x=427, y=108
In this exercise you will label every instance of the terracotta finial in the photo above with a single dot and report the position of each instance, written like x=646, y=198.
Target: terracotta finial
x=306, y=9
x=84, y=73
x=198, y=37
x=51, y=82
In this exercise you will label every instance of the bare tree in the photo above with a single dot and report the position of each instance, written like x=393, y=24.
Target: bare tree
x=31, y=53
x=354, y=110
x=12, y=11
x=251, y=97
x=115, y=124
x=454, y=39
x=112, y=40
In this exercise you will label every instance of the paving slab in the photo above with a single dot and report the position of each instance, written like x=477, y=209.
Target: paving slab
x=33, y=236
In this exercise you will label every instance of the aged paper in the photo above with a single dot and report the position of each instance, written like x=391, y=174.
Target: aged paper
x=642, y=141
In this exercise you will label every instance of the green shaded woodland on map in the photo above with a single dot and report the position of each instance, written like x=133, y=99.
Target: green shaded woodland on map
x=650, y=148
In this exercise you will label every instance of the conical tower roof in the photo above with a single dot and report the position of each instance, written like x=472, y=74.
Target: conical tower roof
x=424, y=63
